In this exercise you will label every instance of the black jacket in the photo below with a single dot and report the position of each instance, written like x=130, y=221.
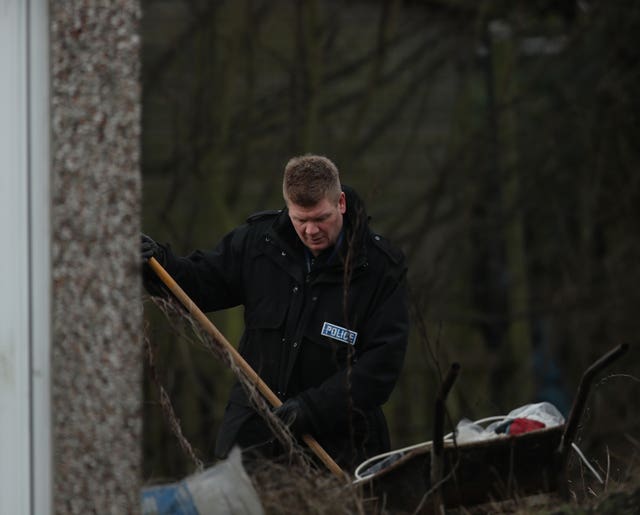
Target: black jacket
x=338, y=349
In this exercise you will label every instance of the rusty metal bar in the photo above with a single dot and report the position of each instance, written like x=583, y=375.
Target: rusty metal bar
x=437, y=448
x=580, y=400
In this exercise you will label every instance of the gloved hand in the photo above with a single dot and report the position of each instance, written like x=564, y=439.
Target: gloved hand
x=149, y=248
x=293, y=414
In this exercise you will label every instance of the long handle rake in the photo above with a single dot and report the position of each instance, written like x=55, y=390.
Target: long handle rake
x=238, y=360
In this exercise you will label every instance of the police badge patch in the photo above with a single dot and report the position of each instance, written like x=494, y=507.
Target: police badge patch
x=339, y=333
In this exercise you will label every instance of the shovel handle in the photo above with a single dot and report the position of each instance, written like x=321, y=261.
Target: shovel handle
x=251, y=374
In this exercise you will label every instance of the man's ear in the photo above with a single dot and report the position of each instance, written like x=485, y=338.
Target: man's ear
x=342, y=203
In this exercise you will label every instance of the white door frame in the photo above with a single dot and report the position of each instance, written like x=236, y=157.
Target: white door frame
x=25, y=271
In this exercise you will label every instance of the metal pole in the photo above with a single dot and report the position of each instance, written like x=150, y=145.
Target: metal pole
x=437, y=448
x=577, y=409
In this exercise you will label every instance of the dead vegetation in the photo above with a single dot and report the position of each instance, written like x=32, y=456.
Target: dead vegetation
x=292, y=490
x=286, y=490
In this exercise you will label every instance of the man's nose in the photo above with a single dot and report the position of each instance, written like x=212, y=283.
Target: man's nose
x=311, y=229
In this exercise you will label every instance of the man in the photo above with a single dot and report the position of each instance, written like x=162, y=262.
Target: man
x=325, y=309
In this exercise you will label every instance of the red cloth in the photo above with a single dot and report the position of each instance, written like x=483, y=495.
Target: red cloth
x=524, y=425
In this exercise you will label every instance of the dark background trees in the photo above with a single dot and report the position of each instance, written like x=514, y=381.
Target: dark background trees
x=495, y=142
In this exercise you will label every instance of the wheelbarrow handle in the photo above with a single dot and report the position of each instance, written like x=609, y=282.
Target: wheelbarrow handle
x=437, y=448
x=577, y=409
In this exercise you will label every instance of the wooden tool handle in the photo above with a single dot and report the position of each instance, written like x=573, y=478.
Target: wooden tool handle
x=251, y=374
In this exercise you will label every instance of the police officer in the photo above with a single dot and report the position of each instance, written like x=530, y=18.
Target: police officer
x=325, y=311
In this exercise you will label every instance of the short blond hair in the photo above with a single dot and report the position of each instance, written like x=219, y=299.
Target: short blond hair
x=310, y=178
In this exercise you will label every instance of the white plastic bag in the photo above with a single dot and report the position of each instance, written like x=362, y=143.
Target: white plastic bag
x=224, y=489
x=545, y=412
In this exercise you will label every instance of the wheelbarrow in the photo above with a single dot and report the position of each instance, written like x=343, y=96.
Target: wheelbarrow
x=446, y=474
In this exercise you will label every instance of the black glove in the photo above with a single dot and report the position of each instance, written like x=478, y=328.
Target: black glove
x=149, y=248
x=293, y=414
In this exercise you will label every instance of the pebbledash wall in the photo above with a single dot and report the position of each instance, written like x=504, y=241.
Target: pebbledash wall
x=97, y=317
x=70, y=312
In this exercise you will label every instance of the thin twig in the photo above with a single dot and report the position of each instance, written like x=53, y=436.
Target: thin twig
x=168, y=411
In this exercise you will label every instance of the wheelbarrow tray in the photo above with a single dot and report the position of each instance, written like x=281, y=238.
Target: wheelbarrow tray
x=477, y=472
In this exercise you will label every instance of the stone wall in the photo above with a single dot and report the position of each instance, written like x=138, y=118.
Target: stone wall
x=97, y=317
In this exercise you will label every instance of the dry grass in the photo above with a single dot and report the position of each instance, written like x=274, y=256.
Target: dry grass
x=295, y=490
x=292, y=490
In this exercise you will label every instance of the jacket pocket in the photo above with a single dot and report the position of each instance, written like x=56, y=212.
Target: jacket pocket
x=261, y=343
x=320, y=357
x=266, y=313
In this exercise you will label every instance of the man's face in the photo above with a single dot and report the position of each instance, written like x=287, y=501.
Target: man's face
x=318, y=226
